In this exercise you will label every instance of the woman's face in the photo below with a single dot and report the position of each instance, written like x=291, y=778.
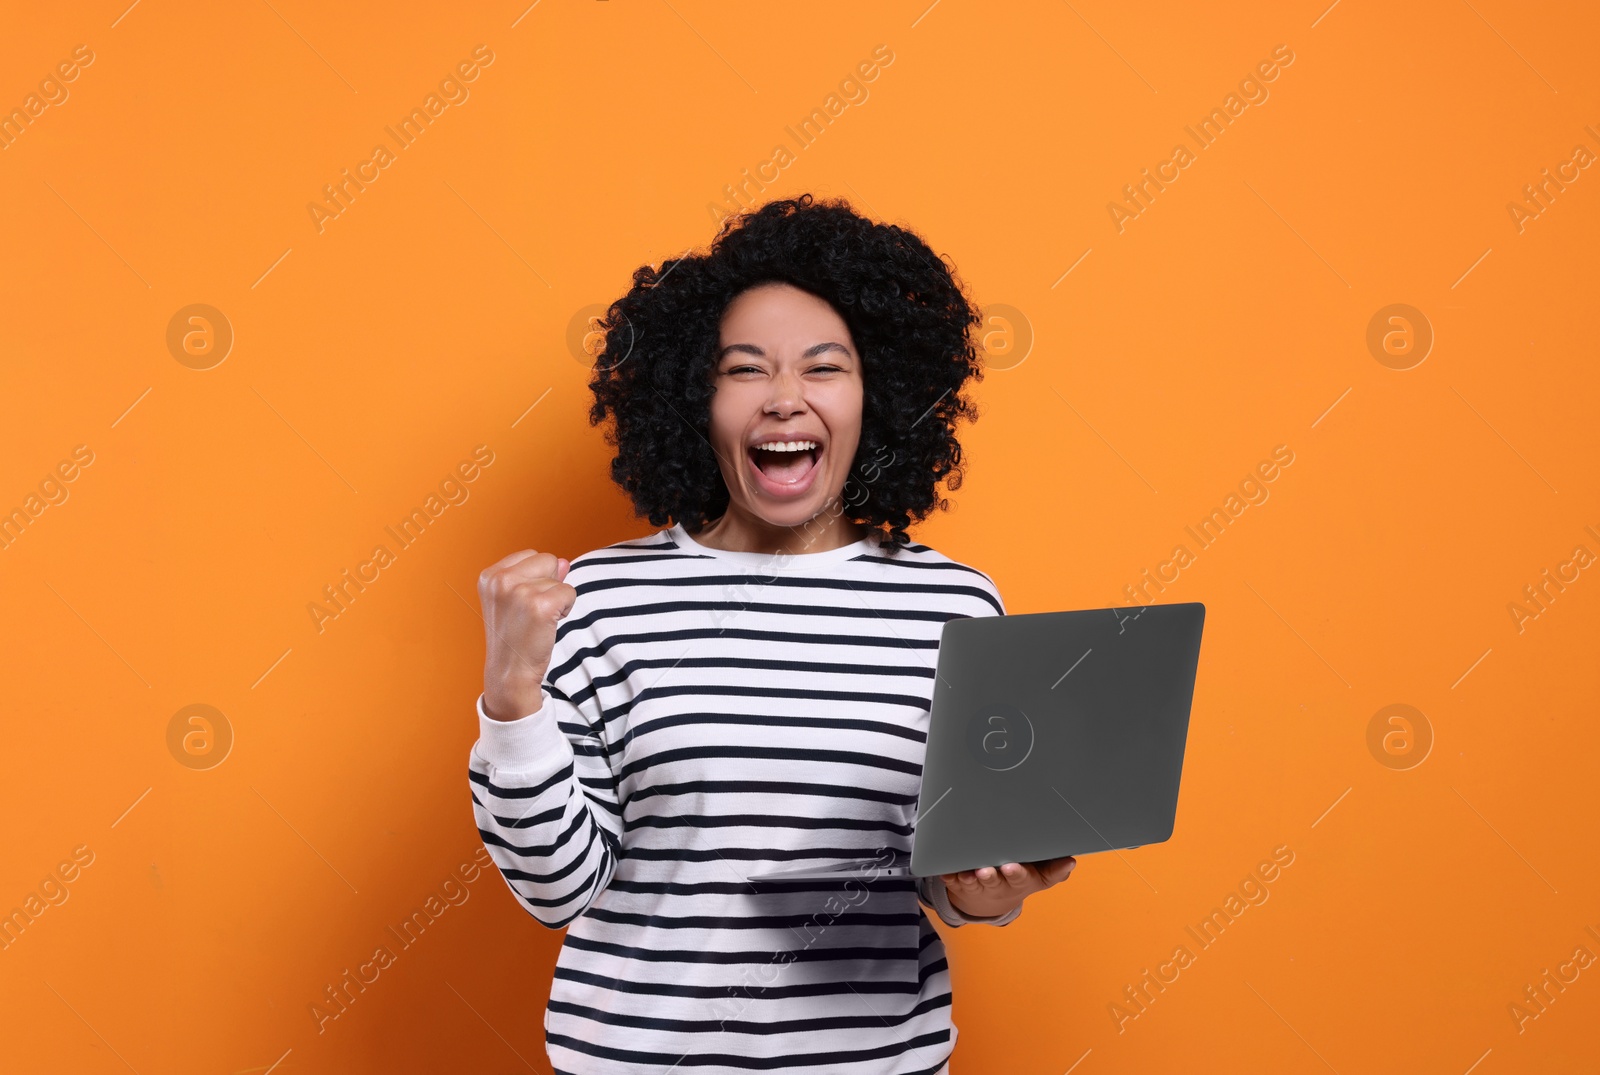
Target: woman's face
x=786, y=370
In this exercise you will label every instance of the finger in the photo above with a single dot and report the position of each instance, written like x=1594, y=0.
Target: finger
x=530, y=589
x=1059, y=870
x=507, y=561
x=535, y=567
x=540, y=565
x=1015, y=873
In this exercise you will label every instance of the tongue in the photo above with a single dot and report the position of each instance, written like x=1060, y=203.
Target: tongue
x=783, y=466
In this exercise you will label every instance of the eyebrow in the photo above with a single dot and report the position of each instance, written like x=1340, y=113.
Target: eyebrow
x=810, y=352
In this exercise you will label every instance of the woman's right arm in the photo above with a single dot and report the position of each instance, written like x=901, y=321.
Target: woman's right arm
x=543, y=791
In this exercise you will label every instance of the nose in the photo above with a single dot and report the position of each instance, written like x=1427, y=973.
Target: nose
x=787, y=395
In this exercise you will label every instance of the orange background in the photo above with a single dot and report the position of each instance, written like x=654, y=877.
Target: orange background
x=373, y=354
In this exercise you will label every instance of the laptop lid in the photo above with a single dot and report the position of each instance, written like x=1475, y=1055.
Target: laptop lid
x=1055, y=733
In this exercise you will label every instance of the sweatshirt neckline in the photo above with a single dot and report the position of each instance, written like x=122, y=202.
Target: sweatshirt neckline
x=773, y=562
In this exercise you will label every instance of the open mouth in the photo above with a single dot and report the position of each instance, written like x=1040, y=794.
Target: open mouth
x=785, y=464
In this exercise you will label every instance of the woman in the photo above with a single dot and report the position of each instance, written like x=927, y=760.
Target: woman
x=748, y=688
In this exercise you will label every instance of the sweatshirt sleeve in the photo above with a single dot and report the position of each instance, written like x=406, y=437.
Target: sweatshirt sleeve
x=544, y=791
x=931, y=890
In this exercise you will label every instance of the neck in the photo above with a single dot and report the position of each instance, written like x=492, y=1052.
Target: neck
x=738, y=531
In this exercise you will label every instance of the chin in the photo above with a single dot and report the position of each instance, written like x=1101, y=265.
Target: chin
x=795, y=513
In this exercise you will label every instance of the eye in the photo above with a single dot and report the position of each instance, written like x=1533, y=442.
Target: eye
x=757, y=369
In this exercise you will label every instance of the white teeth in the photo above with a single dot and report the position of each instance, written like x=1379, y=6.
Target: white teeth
x=789, y=446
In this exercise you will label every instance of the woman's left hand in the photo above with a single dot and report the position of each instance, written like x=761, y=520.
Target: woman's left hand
x=989, y=891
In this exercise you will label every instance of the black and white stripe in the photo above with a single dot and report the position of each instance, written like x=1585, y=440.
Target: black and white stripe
x=708, y=715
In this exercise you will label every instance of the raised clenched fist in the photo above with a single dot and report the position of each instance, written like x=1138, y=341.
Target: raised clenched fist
x=523, y=601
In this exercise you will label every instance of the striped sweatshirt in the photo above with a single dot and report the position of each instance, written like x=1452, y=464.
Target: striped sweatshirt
x=708, y=715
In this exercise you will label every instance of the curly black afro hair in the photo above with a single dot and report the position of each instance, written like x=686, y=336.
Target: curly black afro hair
x=912, y=324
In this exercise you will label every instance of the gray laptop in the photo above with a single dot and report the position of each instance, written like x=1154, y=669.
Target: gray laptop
x=1051, y=734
